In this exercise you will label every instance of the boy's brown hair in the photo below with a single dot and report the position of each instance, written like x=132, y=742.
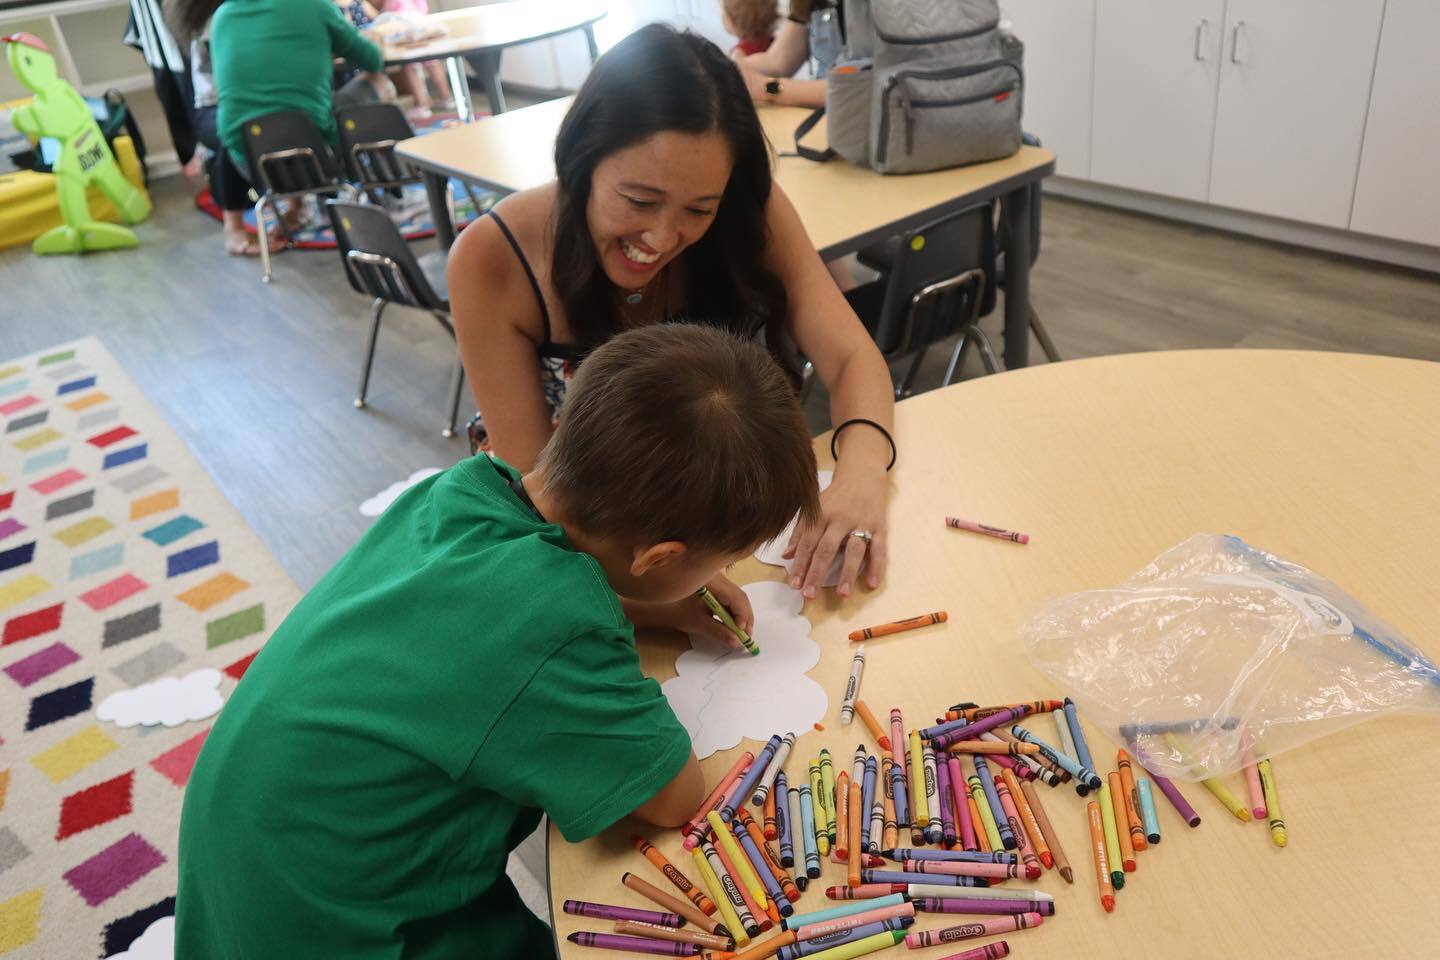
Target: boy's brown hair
x=753, y=18
x=682, y=432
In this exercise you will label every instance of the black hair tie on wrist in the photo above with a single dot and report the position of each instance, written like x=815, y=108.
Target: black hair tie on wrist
x=869, y=423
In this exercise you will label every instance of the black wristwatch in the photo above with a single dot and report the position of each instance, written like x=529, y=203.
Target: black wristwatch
x=772, y=87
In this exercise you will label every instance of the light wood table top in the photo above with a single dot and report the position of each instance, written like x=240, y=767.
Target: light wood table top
x=493, y=26
x=843, y=207
x=1329, y=460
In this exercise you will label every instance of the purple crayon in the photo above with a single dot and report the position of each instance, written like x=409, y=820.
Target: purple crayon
x=947, y=801
x=604, y=911
x=1045, y=908
x=750, y=780
x=1182, y=806
x=972, y=731
x=954, y=856
x=618, y=941
x=904, y=876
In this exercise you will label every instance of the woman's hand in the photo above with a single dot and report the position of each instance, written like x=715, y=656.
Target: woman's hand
x=754, y=82
x=691, y=615
x=854, y=502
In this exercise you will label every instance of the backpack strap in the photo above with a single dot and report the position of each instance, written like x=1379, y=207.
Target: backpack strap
x=809, y=153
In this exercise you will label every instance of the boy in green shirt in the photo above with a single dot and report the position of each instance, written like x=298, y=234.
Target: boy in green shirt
x=467, y=666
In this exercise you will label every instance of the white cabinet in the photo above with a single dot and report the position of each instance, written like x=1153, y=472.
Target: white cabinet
x=1156, y=69
x=1059, y=56
x=1294, y=87
x=1396, y=194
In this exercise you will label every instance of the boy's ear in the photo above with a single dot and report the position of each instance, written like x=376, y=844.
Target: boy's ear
x=647, y=558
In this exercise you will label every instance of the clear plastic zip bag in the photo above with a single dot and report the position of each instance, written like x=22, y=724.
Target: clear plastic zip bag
x=1215, y=647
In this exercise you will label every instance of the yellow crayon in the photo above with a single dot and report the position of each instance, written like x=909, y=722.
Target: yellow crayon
x=827, y=780
x=817, y=801
x=728, y=916
x=1223, y=794
x=746, y=872
x=919, y=806
x=1272, y=804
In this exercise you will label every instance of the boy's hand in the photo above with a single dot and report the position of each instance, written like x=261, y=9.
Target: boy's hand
x=691, y=616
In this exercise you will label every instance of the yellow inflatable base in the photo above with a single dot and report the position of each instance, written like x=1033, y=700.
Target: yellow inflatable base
x=29, y=205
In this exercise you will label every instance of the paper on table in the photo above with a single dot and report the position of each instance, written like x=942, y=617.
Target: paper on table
x=722, y=694
x=771, y=552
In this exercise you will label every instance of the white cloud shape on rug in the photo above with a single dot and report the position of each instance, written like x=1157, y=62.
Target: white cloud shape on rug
x=169, y=700
x=156, y=943
x=773, y=552
x=722, y=694
x=376, y=505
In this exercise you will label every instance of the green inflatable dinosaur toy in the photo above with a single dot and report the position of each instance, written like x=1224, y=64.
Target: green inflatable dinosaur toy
x=85, y=158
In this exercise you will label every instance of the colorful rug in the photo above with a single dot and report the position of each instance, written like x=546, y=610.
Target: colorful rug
x=410, y=210
x=120, y=564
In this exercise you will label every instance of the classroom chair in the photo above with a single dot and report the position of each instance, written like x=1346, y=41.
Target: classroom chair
x=368, y=134
x=938, y=282
x=379, y=263
x=288, y=160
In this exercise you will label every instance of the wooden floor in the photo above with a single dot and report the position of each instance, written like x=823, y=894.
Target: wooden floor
x=259, y=379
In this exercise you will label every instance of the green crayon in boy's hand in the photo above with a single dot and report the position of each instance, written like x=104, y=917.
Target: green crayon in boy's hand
x=723, y=615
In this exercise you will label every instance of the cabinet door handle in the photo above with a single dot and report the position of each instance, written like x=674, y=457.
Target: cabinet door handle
x=1235, y=42
x=1202, y=36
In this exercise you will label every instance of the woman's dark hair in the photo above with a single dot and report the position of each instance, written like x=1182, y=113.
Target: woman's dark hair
x=656, y=80
x=187, y=18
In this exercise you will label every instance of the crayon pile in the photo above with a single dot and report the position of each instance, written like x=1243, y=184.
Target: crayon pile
x=941, y=820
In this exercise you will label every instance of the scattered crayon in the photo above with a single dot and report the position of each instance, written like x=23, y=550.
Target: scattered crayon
x=772, y=812
x=673, y=874
x=1230, y=801
x=808, y=839
x=1062, y=863
x=1062, y=730
x=894, y=911
x=971, y=711
x=891, y=832
x=980, y=928
x=852, y=686
x=1147, y=810
x=934, y=828
x=1016, y=806
x=1272, y=803
x=860, y=948
x=717, y=797
x=1252, y=777
x=1099, y=849
x=670, y=904
x=718, y=893
x=827, y=781
x=750, y=779
x=873, y=725
x=998, y=532
x=817, y=802
x=737, y=862
x=909, y=876
x=1116, y=789
x=827, y=944
x=1082, y=749
x=605, y=911
x=964, y=825
x=762, y=951
x=769, y=881
x=842, y=817
x=749, y=912
x=972, y=731
x=991, y=951
x=615, y=941
x=656, y=932
x=898, y=771
x=988, y=747
x=1112, y=837
x=1176, y=798
x=844, y=910
x=899, y=626
x=787, y=818
x=1041, y=767
x=872, y=808
x=772, y=770
x=857, y=852
x=718, y=611
x=1046, y=908
x=954, y=868
x=928, y=891
x=919, y=809
x=857, y=764
x=952, y=856
x=1136, y=825
x=1083, y=774
x=992, y=800
x=946, y=799
x=983, y=829
x=768, y=859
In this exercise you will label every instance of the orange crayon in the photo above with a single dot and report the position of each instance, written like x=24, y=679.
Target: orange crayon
x=759, y=951
x=772, y=825
x=717, y=796
x=856, y=855
x=663, y=900
x=1102, y=861
x=1027, y=818
x=891, y=834
x=1117, y=801
x=1138, y=840
x=673, y=874
x=899, y=626
x=989, y=747
x=842, y=816
x=654, y=931
x=1062, y=864
x=876, y=731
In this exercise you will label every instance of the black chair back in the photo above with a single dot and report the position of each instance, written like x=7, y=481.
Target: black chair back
x=377, y=259
x=287, y=155
x=368, y=133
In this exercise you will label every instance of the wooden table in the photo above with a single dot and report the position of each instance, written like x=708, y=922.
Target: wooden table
x=1329, y=460
x=480, y=34
x=844, y=208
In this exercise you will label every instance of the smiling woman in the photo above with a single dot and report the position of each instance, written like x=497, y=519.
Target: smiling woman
x=663, y=210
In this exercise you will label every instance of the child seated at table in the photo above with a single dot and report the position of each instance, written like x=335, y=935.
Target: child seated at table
x=467, y=666
x=752, y=22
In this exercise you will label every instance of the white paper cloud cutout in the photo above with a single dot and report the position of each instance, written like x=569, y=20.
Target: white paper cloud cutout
x=169, y=700
x=156, y=943
x=722, y=694
x=376, y=505
x=772, y=552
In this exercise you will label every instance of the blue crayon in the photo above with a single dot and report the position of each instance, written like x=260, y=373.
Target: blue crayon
x=954, y=856
x=930, y=733
x=1082, y=749
x=751, y=778
x=1067, y=763
x=782, y=820
x=907, y=876
x=844, y=909
x=1147, y=810
x=1002, y=819
x=867, y=801
x=807, y=833
x=813, y=947
x=762, y=869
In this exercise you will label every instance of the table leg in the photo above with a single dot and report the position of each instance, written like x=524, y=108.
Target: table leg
x=590, y=41
x=460, y=88
x=487, y=65
x=1017, y=278
x=437, y=190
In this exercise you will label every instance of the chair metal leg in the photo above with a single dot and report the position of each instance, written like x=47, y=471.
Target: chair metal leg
x=1043, y=335
x=263, y=232
x=957, y=357
x=807, y=381
x=457, y=384
x=376, y=311
x=986, y=354
x=907, y=385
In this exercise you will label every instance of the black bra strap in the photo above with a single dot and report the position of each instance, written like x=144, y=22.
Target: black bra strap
x=529, y=273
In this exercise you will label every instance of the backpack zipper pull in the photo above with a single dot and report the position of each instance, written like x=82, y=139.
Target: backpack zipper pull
x=909, y=112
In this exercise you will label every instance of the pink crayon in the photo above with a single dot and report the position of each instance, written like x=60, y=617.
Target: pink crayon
x=952, y=868
x=979, y=928
x=812, y=930
x=991, y=951
x=964, y=825
x=1252, y=779
x=698, y=826
x=989, y=531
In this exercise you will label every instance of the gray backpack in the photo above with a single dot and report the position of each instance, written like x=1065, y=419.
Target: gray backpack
x=922, y=85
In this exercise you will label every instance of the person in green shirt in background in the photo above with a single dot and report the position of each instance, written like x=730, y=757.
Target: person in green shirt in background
x=467, y=667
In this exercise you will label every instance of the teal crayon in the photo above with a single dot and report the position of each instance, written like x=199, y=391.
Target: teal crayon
x=807, y=833
x=1082, y=774
x=1148, y=813
x=720, y=613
